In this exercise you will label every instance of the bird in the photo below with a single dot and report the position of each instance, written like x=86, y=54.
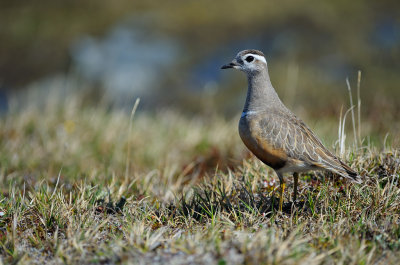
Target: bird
x=274, y=134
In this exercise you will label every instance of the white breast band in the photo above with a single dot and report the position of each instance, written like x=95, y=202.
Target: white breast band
x=250, y=112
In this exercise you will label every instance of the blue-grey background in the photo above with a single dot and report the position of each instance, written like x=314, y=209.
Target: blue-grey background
x=169, y=53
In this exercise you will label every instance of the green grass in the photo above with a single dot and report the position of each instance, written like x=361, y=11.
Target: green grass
x=192, y=195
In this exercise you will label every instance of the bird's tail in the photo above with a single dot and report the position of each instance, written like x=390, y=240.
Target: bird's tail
x=348, y=172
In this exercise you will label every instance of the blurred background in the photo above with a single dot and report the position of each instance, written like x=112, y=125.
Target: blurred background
x=169, y=54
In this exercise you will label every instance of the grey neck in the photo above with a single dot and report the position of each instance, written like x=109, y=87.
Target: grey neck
x=261, y=95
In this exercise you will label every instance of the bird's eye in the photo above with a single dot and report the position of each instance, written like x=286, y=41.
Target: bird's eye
x=249, y=59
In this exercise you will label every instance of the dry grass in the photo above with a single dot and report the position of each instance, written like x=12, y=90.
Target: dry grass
x=192, y=195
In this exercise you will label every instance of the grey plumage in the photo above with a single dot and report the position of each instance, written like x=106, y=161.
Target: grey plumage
x=273, y=133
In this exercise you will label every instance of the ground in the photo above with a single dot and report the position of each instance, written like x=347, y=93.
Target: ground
x=82, y=185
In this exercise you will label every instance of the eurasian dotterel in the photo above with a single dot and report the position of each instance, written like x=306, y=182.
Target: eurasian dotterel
x=274, y=134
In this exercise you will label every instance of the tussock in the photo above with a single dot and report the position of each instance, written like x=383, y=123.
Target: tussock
x=190, y=194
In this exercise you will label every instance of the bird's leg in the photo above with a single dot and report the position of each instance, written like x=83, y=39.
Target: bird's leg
x=282, y=185
x=281, y=198
x=296, y=181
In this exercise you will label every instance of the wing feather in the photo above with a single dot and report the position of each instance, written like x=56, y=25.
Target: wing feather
x=285, y=131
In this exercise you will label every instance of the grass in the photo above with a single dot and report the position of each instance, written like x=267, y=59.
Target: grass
x=190, y=194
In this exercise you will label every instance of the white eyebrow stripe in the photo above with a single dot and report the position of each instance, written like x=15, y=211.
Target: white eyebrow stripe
x=259, y=57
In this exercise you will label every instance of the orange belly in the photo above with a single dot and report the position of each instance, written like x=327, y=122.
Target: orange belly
x=259, y=146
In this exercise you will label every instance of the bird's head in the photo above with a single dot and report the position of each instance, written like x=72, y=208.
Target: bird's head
x=248, y=61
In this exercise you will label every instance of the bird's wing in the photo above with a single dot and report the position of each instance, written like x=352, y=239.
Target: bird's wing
x=285, y=131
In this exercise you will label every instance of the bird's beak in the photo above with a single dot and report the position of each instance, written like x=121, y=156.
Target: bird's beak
x=233, y=64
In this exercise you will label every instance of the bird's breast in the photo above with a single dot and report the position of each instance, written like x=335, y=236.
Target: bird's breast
x=251, y=133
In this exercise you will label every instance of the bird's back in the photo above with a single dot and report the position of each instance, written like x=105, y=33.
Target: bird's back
x=272, y=132
x=281, y=140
